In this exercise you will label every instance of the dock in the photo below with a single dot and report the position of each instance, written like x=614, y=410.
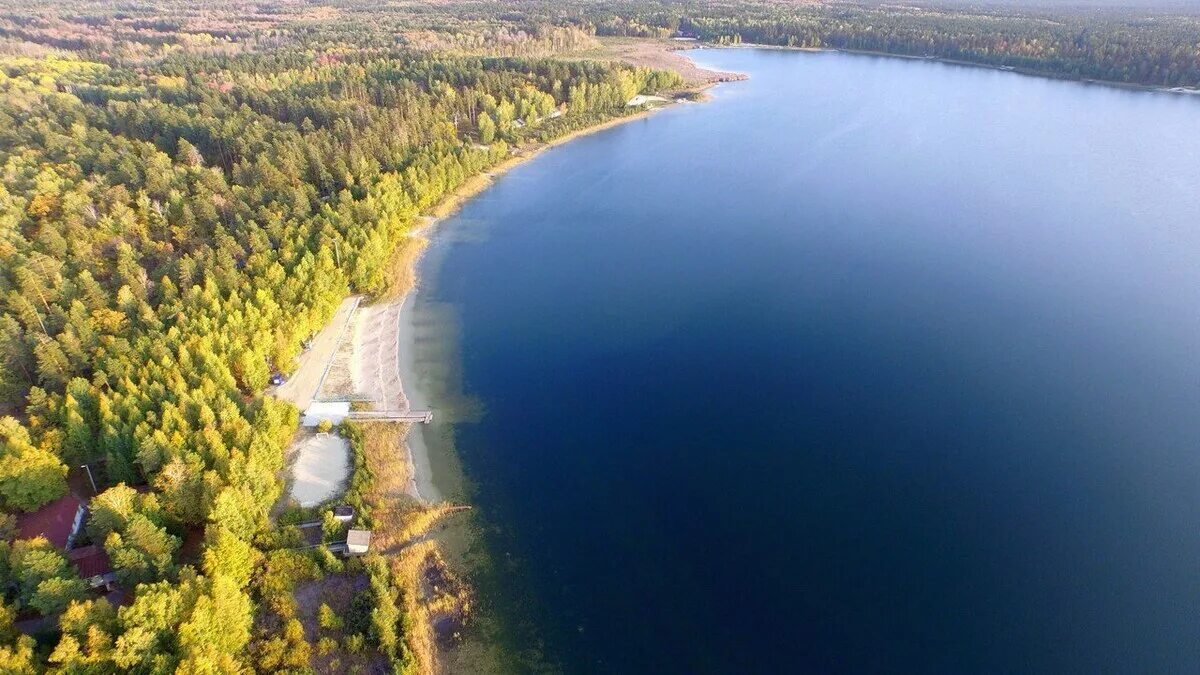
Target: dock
x=415, y=416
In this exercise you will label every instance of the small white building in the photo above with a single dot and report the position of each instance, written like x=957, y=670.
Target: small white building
x=644, y=99
x=358, y=542
x=319, y=411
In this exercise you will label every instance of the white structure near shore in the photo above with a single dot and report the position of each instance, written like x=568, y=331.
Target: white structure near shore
x=358, y=542
x=333, y=412
x=644, y=99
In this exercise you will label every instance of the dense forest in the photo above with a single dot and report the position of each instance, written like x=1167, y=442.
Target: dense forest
x=1126, y=46
x=188, y=192
x=1116, y=48
x=1134, y=46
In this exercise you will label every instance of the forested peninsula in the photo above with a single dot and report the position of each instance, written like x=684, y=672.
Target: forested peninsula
x=187, y=194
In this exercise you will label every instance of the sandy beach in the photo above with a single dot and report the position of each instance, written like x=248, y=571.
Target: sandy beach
x=423, y=487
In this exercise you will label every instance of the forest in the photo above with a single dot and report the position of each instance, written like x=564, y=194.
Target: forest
x=187, y=193
x=1130, y=46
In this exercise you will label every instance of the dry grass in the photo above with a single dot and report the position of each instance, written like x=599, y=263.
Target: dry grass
x=660, y=55
x=407, y=571
x=383, y=444
x=434, y=601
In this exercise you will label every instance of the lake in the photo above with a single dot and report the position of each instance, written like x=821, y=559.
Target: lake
x=865, y=365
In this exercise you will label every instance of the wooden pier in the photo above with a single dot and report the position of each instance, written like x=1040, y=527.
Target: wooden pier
x=416, y=416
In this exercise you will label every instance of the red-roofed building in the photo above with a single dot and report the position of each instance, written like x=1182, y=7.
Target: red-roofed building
x=92, y=563
x=59, y=522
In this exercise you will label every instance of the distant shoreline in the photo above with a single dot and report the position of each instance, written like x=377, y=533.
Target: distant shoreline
x=959, y=62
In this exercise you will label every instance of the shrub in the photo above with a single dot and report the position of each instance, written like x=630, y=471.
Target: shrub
x=355, y=643
x=328, y=619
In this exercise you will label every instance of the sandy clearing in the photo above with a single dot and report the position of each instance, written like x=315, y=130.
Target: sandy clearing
x=321, y=467
x=661, y=55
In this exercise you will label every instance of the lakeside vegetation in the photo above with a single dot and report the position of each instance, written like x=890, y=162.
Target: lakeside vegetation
x=186, y=195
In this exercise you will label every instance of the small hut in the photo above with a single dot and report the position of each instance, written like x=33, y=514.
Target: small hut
x=358, y=542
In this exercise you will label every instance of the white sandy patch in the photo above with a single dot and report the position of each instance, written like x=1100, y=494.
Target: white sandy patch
x=377, y=342
x=321, y=468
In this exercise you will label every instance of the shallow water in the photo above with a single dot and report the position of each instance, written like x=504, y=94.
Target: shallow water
x=865, y=365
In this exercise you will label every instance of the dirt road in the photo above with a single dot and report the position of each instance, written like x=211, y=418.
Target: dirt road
x=301, y=387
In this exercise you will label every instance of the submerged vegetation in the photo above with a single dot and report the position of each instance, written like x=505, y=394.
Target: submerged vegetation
x=186, y=195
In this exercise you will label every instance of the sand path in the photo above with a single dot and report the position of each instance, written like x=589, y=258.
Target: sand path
x=301, y=388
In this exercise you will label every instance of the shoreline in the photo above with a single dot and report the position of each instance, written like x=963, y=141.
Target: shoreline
x=423, y=484
x=1132, y=86
x=418, y=450
x=450, y=541
x=385, y=327
x=374, y=355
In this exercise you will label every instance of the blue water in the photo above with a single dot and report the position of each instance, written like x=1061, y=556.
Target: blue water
x=865, y=365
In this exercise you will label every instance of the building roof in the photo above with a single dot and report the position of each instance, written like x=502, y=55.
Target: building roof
x=358, y=541
x=54, y=521
x=320, y=411
x=91, y=561
x=343, y=511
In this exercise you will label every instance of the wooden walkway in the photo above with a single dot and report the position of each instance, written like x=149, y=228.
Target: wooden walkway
x=417, y=416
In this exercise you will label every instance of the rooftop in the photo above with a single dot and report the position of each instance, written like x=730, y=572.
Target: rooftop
x=358, y=541
x=55, y=521
x=91, y=561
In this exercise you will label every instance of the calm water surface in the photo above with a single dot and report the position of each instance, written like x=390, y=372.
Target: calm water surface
x=865, y=365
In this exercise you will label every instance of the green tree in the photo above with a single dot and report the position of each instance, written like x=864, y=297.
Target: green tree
x=87, y=641
x=53, y=595
x=43, y=578
x=237, y=510
x=111, y=510
x=29, y=476
x=18, y=659
x=219, y=623
x=228, y=556
x=187, y=154
x=289, y=651
x=142, y=551
x=487, y=128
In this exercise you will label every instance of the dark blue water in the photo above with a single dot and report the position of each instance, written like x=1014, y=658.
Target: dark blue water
x=866, y=365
